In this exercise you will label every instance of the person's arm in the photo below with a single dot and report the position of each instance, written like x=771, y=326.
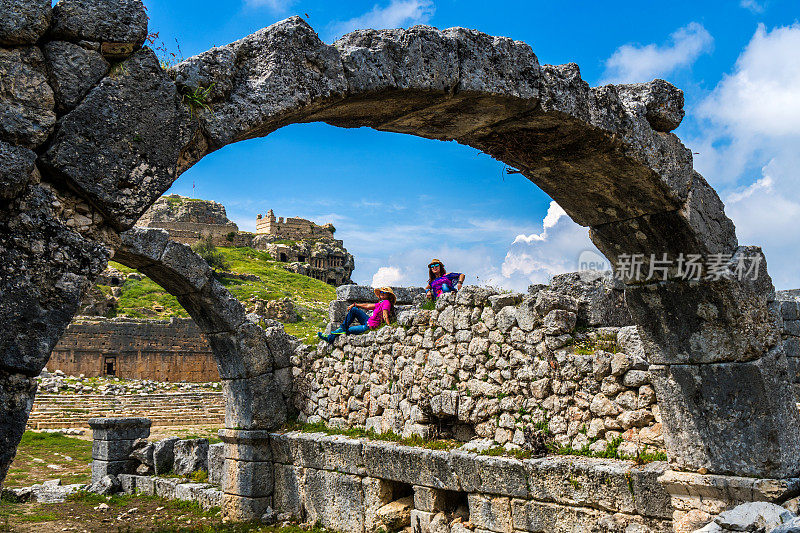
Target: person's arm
x=460, y=281
x=428, y=291
x=365, y=307
x=386, y=316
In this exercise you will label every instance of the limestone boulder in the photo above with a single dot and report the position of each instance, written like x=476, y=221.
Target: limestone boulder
x=23, y=21
x=558, y=322
x=121, y=25
x=754, y=516
x=750, y=397
x=143, y=452
x=106, y=485
x=600, y=297
x=73, y=71
x=164, y=455
x=27, y=104
x=123, y=165
x=190, y=455
x=395, y=515
x=661, y=102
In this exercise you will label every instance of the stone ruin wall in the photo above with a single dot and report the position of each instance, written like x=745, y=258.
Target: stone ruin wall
x=159, y=350
x=294, y=228
x=188, y=220
x=495, y=366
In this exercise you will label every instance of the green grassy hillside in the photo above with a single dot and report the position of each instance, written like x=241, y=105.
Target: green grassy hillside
x=145, y=299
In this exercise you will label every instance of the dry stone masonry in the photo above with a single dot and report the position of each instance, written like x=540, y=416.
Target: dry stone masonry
x=82, y=161
x=492, y=366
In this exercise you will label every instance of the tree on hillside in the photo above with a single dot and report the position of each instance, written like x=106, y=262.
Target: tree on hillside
x=205, y=248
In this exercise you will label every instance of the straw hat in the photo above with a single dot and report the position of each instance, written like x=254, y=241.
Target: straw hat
x=387, y=290
x=432, y=261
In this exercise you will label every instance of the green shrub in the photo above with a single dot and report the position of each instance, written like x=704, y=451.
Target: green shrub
x=205, y=248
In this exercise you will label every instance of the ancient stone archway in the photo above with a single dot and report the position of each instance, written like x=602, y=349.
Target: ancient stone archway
x=604, y=154
x=253, y=361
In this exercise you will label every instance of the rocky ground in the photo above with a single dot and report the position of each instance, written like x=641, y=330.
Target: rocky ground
x=57, y=382
x=84, y=512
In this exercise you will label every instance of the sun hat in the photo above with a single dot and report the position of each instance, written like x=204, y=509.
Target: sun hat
x=387, y=290
x=432, y=261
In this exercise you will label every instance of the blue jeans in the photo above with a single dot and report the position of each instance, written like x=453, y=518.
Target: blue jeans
x=355, y=314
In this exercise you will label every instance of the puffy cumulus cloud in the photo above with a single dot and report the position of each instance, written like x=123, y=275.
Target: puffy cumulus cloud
x=748, y=146
x=387, y=276
x=398, y=14
x=632, y=63
x=538, y=257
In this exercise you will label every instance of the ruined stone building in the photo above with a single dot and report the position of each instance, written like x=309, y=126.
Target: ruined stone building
x=310, y=248
x=292, y=228
x=161, y=350
x=188, y=220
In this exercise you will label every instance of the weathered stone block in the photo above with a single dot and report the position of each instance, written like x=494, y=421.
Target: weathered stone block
x=418, y=466
x=111, y=450
x=164, y=455
x=247, y=478
x=335, y=500
x=165, y=487
x=27, y=105
x=119, y=428
x=73, y=71
x=254, y=403
x=143, y=144
x=493, y=475
x=146, y=485
x=128, y=483
x=288, y=489
x=750, y=400
x=492, y=513
x=100, y=469
x=108, y=21
x=190, y=491
x=209, y=498
x=216, y=460
x=538, y=517
x=23, y=22
x=586, y=482
x=243, y=509
x=190, y=456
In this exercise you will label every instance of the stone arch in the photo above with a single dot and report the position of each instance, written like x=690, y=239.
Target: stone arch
x=604, y=154
x=253, y=361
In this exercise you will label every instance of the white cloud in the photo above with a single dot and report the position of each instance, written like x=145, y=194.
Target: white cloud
x=398, y=14
x=387, y=276
x=277, y=6
x=632, y=63
x=748, y=147
x=538, y=257
x=554, y=214
x=753, y=5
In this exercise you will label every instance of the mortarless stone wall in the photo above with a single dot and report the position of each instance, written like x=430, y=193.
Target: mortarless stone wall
x=495, y=366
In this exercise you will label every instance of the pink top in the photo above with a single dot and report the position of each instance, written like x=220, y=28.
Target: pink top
x=375, y=320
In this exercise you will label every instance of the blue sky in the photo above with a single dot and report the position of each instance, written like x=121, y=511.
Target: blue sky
x=397, y=201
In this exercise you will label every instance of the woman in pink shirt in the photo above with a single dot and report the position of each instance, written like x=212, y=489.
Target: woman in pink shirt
x=381, y=312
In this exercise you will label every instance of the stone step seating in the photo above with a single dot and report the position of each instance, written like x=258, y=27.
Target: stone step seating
x=175, y=409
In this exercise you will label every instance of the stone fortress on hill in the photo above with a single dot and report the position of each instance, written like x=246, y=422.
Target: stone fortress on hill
x=309, y=249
